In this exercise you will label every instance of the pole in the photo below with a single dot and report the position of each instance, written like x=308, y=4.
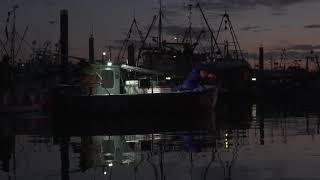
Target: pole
x=91, y=48
x=160, y=26
x=261, y=57
x=64, y=37
x=13, y=35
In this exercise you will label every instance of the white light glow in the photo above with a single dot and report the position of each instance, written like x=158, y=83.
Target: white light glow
x=132, y=83
x=254, y=79
x=168, y=78
x=132, y=141
x=109, y=63
x=110, y=164
x=158, y=90
x=104, y=53
x=174, y=56
x=105, y=172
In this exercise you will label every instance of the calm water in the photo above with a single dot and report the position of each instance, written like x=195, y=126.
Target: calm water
x=240, y=141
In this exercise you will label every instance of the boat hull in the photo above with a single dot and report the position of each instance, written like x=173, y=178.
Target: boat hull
x=138, y=106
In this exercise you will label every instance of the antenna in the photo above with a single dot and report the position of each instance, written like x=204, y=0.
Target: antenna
x=91, y=30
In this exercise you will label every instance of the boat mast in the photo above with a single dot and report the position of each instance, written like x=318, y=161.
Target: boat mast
x=146, y=37
x=125, y=42
x=235, y=43
x=213, y=39
x=160, y=26
x=133, y=25
x=188, y=33
x=13, y=34
x=190, y=23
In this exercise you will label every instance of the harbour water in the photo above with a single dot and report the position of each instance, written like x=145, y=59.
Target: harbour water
x=240, y=141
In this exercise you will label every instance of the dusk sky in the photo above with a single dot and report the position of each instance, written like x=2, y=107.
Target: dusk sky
x=290, y=24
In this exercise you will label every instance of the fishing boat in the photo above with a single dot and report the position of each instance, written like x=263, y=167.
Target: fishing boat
x=222, y=55
x=115, y=91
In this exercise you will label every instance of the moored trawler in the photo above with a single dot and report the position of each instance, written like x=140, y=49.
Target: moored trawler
x=221, y=56
x=112, y=92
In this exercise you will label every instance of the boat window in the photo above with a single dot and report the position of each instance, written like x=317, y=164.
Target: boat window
x=107, y=79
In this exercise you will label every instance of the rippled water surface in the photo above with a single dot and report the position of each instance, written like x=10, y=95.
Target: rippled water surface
x=241, y=141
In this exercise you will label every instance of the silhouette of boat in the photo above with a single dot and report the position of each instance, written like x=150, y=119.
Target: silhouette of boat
x=110, y=92
x=223, y=56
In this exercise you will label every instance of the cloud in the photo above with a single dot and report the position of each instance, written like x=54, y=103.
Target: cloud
x=250, y=28
x=276, y=54
x=312, y=26
x=278, y=13
x=281, y=3
x=254, y=29
x=295, y=51
x=245, y=4
x=303, y=47
x=34, y=2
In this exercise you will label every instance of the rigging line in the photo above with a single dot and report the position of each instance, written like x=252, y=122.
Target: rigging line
x=220, y=26
x=2, y=53
x=236, y=39
x=26, y=42
x=146, y=37
x=126, y=40
x=21, y=40
x=138, y=29
x=213, y=39
x=3, y=46
x=234, y=44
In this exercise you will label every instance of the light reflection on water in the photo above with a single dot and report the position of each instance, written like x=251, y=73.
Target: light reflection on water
x=247, y=141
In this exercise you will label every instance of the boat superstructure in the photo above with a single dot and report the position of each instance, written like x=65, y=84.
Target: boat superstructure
x=222, y=57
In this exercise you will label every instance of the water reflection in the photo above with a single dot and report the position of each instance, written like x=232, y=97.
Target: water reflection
x=239, y=141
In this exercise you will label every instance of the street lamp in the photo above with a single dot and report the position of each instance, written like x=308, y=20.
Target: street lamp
x=104, y=56
x=175, y=38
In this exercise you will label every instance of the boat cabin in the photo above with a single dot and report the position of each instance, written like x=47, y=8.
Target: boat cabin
x=124, y=79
